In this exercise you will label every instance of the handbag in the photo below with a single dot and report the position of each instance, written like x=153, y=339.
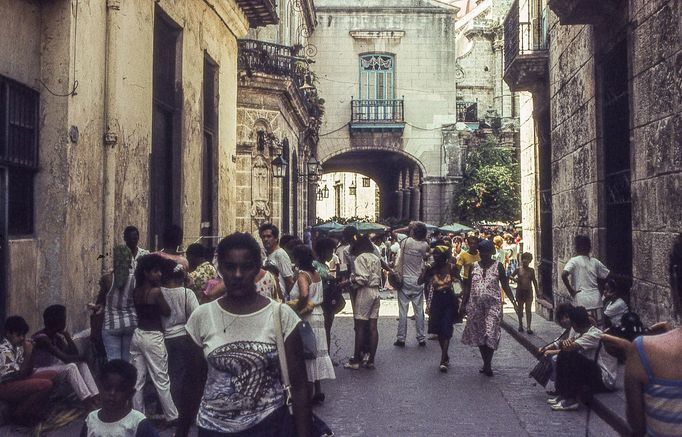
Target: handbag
x=333, y=300
x=542, y=371
x=288, y=426
x=309, y=341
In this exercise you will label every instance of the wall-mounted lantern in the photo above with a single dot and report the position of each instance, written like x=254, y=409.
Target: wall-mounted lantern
x=352, y=189
x=279, y=167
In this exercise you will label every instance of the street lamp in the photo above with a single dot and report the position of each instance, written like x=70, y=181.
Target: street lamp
x=279, y=167
x=314, y=169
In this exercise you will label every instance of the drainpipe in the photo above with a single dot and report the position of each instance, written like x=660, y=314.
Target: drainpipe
x=110, y=139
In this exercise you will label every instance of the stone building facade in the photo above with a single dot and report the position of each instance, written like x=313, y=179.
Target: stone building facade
x=277, y=115
x=345, y=195
x=604, y=84
x=386, y=71
x=115, y=112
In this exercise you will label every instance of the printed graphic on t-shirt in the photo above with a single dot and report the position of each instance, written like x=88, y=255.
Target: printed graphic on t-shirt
x=243, y=386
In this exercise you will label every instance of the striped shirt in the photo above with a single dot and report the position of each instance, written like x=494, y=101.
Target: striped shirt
x=662, y=400
x=119, y=309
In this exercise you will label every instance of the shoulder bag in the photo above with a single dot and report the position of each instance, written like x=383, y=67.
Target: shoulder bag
x=288, y=426
x=543, y=369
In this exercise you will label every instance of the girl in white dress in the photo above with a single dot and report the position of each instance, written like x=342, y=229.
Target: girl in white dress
x=308, y=289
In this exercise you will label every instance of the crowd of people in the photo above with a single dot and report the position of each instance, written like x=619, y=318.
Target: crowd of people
x=236, y=339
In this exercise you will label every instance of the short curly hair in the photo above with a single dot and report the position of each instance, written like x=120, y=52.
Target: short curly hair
x=240, y=240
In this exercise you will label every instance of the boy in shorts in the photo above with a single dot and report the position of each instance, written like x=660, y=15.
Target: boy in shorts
x=525, y=281
x=117, y=418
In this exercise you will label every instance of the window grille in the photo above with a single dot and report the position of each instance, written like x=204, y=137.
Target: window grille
x=19, y=119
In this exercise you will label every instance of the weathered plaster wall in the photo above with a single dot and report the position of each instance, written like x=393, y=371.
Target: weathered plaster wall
x=656, y=159
x=60, y=45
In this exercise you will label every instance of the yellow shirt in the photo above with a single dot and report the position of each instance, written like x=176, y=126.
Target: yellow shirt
x=466, y=260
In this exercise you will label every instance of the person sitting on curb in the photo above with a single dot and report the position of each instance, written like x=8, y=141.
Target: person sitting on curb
x=26, y=392
x=55, y=350
x=581, y=367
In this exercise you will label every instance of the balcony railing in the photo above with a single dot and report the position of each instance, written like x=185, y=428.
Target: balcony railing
x=525, y=46
x=467, y=111
x=377, y=112
x=275, y=59
x=265, y=57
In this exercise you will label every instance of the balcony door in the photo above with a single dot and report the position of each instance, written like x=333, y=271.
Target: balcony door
x=377, y=86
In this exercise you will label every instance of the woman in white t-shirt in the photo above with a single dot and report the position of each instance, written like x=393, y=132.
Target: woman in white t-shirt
x=581, y=276
x=243, y=392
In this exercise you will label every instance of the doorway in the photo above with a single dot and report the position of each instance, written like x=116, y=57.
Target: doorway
x=165, y=165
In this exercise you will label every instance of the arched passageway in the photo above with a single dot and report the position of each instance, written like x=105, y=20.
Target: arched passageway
x=398, y=175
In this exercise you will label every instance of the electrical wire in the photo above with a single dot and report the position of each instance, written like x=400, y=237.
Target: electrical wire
x=74, y=12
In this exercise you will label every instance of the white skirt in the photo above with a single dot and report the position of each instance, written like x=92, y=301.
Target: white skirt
x=321, y=367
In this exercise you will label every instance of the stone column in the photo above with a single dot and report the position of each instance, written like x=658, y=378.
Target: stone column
x=407, y=202
x=415, y=204
x=398, y=208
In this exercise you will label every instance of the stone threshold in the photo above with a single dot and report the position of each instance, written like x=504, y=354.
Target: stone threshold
x=610, y=407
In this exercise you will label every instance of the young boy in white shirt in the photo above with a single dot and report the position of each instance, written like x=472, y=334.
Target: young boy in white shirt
x=117, y=418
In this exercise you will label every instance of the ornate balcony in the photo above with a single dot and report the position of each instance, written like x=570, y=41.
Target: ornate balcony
x=583, y=11
x=525, y=49
x=265, y=57
x=259, y=12
x=377, y=114
x=278, y=60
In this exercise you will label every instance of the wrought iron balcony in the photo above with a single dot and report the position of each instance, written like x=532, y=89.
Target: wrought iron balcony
x=467, y=111
x=278, y=60
x=377, y=114
x=265, y=57
x=259, y=12
x=525, y=49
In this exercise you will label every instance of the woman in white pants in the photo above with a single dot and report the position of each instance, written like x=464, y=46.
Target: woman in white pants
x=147, y=349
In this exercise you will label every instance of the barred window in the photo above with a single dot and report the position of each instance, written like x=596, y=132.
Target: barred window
x=19, y=151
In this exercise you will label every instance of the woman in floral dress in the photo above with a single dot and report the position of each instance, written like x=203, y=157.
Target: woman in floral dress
x=484, y=305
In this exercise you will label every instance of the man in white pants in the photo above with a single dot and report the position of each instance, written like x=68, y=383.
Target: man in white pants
x=55, y=350
x=413, y=251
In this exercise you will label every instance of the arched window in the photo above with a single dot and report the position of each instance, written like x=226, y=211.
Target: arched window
x=377, y=79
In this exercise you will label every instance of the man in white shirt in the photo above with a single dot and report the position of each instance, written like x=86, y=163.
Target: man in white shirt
x=413, y=251
x=581, y=275
x=269, y=235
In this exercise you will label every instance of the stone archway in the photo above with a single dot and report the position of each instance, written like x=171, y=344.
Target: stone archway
x=398, y=175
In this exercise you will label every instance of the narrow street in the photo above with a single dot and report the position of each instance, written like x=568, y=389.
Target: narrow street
x=407, y=396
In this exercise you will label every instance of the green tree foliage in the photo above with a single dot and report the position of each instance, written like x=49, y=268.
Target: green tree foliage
x=490, y=190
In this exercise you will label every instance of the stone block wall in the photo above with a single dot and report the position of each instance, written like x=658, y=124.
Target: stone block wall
x=529, y=185
x=655, y=56
x=575, y=164
x=656, y=160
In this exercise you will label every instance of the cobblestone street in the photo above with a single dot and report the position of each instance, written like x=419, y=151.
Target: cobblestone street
x=407, y=396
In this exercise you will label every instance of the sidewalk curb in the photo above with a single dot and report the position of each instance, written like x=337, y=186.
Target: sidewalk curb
x=612, y=418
